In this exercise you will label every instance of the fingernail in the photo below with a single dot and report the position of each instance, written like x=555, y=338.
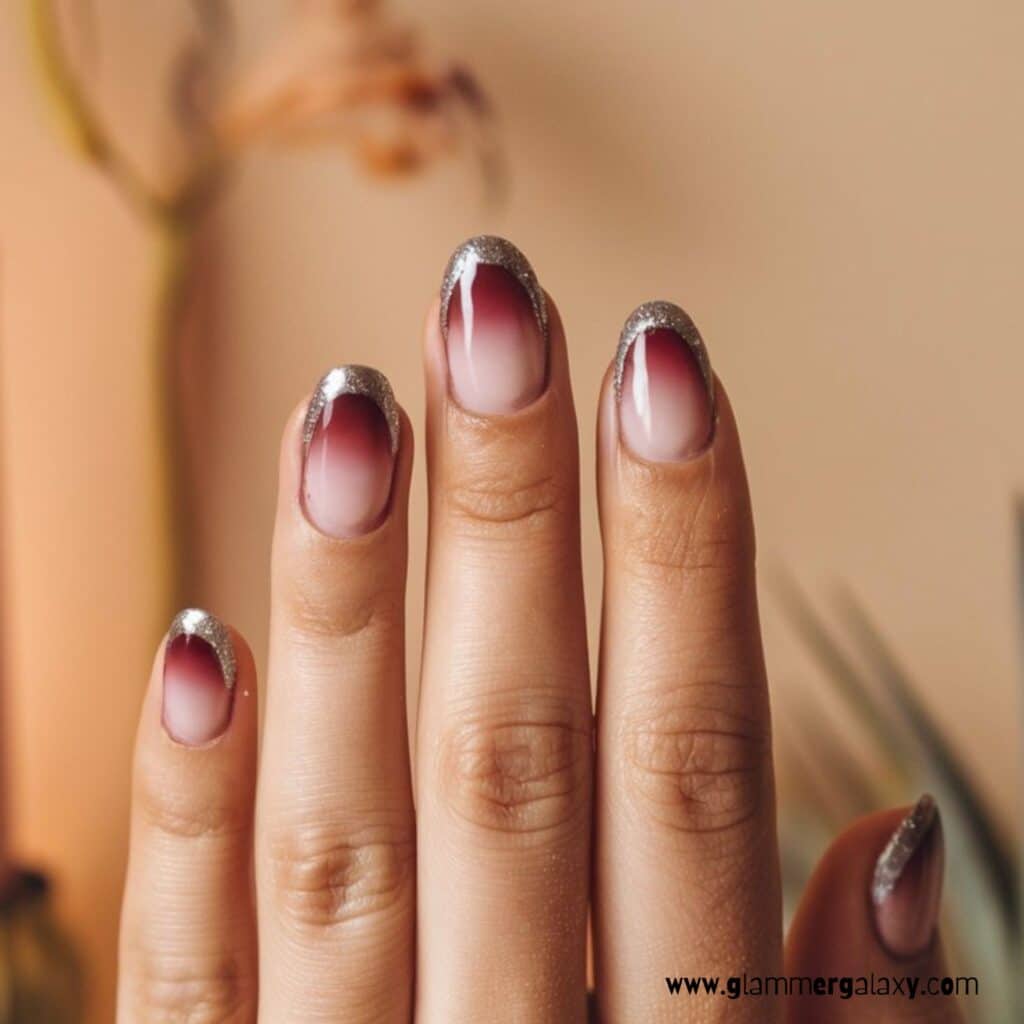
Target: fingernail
x=664, y=385
x=907, y=884
x=350, y=439
x=199, y=678
x=495, y=325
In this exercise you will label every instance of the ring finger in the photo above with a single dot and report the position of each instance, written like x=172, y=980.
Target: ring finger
x=686, y=861
x=334, y=851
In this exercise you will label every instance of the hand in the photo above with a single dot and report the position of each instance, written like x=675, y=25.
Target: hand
x=658, y=813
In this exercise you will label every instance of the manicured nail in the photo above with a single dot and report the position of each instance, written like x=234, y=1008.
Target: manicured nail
x=664, y=385
x=907, y=884
x=199, y=678
x=494, y=322
x=350, y=439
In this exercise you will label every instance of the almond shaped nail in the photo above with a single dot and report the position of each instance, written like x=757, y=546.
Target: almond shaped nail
x=906, y=889
x=352, y=380
x=902, y=846
x=194, y=622
x=664, y=387
x=490, y=250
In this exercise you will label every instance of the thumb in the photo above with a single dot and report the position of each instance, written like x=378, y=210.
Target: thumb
x=869, y=919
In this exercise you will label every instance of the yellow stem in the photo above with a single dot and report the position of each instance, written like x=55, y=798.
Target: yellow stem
x=82, y=124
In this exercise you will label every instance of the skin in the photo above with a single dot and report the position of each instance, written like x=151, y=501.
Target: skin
x=656, y=815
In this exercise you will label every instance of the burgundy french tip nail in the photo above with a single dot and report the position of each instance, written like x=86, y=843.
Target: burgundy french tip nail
x=906, y=887
x=664, y=385
x=350, y=439
x=495, y=325
x=199, y=678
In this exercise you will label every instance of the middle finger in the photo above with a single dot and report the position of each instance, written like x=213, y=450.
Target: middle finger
x=504, y=752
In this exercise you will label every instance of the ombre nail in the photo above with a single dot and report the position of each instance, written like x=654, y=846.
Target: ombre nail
x=350, y=438
x=664, y=385
x=907, y=884
x=494, y=322
x=199, y=678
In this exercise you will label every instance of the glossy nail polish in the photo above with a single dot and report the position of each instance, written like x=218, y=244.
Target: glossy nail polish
x=199, y=678
x=664, y=385
x=495, y=325
x=907, y=884
x=350, y=438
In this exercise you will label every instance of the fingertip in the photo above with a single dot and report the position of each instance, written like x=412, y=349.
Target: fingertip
x=872, y=902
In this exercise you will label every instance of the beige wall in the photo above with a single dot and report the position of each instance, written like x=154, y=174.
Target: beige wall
x=833, y=190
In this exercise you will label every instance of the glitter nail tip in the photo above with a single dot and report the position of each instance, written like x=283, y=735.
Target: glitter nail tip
x=660, y=316
x=489, y=250
x=196, y=622
x=904, y=843
x=352, y=380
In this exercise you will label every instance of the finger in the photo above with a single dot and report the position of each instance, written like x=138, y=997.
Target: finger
x=686, y=862
x=868, y=920
x=188, y=935
x=335, y=876
x=504, y=749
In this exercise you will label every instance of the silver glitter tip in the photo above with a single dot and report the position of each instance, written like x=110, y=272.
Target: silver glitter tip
x=196, y=622
x=352, y=380
x=657, y=316
x=904, y=843
x=491, y=251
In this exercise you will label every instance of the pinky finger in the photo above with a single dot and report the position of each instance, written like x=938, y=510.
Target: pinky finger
x=188, y=937
x=871, y=912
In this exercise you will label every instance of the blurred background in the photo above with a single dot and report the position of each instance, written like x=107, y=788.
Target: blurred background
x=201, y=209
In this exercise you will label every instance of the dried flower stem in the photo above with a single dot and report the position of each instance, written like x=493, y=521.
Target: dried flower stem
x=82, y=124
x=173, y=222
x=174, y=244
x=340, y=65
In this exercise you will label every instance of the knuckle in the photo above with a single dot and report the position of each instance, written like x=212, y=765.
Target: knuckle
x=696, y=769
x=325, y=603
x=176, y=813
x=170, y=989
x=323, y=879
x=519, y=777
x=686, y=532
x=662, y=548
x=503, y=500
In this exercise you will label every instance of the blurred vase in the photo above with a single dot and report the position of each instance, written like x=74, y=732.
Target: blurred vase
x=40, y=979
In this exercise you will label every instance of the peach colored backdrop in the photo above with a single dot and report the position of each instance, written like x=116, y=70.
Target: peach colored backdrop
x=833, y=190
